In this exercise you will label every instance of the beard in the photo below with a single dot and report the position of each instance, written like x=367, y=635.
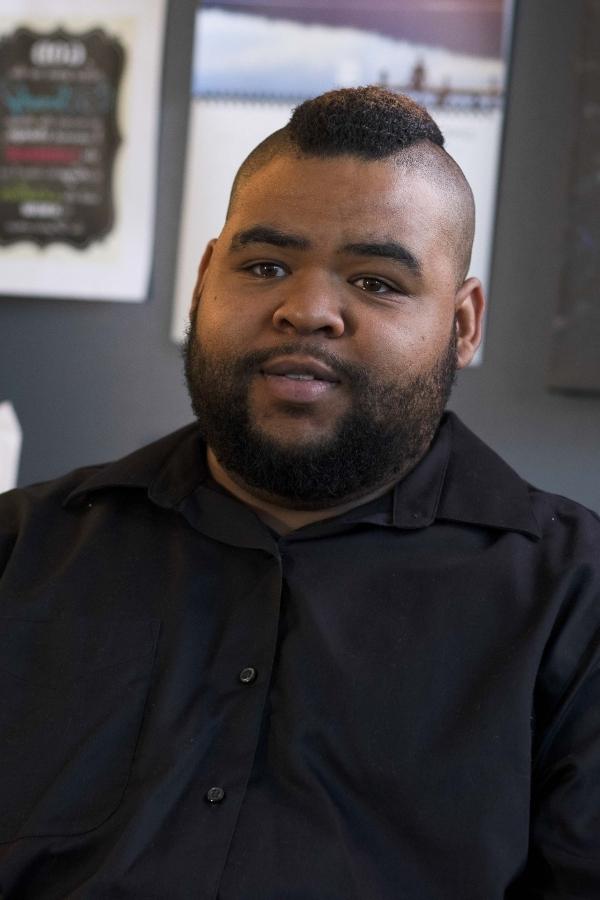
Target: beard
x=388, y=428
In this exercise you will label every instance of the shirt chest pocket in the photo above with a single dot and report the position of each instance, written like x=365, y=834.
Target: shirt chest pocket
x=72, y=697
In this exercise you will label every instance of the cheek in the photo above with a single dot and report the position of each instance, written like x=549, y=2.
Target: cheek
x=228, y=315
x=410, y=346
x=218, y=322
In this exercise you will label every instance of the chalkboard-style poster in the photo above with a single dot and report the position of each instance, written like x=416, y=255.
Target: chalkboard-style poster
x=79, y=105
x=58, y=135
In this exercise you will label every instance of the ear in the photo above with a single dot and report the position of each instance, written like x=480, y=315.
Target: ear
x=469, y=306
x=202, y=270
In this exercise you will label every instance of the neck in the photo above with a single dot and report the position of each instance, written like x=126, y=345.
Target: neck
x=274, y=512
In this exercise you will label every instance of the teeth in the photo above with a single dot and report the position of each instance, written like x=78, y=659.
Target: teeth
x=301, y=377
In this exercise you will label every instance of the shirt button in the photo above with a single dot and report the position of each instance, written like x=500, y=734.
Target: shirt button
x=247, y=675
x=215, y=794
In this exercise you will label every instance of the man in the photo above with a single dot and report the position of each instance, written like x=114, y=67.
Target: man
x=323, y=644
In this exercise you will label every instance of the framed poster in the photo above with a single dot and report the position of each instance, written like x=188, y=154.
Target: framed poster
x=79, y=109
x=255, y=61
x=575, y=354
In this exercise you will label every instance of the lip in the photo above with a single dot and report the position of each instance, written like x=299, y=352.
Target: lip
x=280, y=386
x=300, y=365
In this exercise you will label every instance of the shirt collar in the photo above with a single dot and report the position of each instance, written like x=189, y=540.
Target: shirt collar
x=168, y=469
x=459, y=479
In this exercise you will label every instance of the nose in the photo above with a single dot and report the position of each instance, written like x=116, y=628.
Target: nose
x=310, y=305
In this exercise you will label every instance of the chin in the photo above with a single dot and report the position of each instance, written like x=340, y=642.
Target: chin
x=297, y=433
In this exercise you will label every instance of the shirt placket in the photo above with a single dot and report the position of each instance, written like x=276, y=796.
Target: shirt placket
x=244, y=676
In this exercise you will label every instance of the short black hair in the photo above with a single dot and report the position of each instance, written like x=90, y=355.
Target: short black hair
x=368, y=122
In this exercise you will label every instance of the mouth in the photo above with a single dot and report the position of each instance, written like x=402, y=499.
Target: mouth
x=299, y=369
x=298, y=379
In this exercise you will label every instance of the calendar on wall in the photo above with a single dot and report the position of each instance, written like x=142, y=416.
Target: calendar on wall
x=254, y=61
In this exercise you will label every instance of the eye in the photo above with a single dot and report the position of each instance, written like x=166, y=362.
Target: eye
x=371, y=285
x=267, y=270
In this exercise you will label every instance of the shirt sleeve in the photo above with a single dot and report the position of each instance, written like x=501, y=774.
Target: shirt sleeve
x=565, y=820
x=564, y=858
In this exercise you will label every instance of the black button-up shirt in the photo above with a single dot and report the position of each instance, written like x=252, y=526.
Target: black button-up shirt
x=400, y=702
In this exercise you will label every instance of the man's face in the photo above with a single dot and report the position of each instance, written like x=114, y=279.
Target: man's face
x=323, y=341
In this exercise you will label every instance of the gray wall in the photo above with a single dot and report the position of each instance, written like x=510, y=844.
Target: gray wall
x=94, y=380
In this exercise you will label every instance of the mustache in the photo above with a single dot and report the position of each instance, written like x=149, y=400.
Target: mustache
x=250, y=363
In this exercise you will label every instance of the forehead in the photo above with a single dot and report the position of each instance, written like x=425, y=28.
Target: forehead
x=342, y=196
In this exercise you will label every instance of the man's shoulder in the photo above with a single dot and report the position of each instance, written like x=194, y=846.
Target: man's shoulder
x=135, y=469
x=18, y=504
x=481, y=482
x=561, y=517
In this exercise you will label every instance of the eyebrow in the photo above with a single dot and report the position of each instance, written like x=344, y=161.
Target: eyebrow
x=265, y=234
x=386, y=250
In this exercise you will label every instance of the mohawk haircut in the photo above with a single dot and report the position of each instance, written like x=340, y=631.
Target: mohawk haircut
x=368, y=122
x=373, y=123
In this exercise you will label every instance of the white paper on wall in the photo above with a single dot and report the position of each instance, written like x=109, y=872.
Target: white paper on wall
x=10, y=446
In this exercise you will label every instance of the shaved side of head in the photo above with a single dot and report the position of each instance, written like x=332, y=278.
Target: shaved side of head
x=438, y=168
